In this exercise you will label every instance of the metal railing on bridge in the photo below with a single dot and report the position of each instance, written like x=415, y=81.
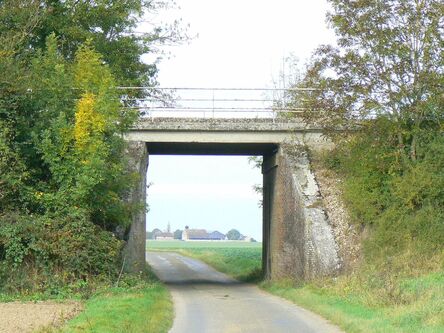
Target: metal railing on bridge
x=211, y=102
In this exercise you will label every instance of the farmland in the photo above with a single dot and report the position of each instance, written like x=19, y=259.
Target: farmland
x=242, y=260
x=178, y=244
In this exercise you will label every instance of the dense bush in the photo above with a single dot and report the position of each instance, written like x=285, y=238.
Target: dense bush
x=41, y=252
x=400, y=201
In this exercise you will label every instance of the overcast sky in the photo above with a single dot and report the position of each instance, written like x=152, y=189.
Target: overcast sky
x=240, y=43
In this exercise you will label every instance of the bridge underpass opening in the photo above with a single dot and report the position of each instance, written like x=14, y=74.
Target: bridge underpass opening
x=209, y=194
x=298, y=239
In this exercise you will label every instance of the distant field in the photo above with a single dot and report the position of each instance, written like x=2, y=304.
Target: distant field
x=242, y=260
x=177, y=244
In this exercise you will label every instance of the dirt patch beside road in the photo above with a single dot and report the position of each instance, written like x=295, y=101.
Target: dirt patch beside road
x=19, y=317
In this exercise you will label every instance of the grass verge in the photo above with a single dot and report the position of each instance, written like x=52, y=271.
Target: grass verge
x=350, y=316
x=419, y=306
x=139, y=304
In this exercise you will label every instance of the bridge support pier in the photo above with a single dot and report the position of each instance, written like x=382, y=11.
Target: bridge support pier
x=269, y=172
x=134, y=251
x=298, y=240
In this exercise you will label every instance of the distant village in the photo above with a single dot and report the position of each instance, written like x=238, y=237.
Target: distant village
x=189, y=234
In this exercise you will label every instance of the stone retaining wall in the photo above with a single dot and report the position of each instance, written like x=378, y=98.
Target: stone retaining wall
x=302, y=240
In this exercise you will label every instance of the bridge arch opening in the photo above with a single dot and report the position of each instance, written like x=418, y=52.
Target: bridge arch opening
x=263, y=150
x=211, y=194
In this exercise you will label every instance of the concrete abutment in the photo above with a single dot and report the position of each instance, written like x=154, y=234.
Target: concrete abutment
x=300, y=240
x=134, y=251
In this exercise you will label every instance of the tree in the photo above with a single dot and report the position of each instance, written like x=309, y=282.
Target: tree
x=257, y=188
x=233, y=234
x=81, y=145
x=111, y=26
x=388, y=63
x=35, y=90
x=178, y=234
x=156, y=232
x=16, y=25
x=13, y=172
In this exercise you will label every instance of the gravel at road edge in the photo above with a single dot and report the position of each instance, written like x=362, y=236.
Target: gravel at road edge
x=24, y=317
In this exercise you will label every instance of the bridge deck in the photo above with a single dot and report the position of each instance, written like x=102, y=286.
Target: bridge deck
x=221, y=135
x=223, y=124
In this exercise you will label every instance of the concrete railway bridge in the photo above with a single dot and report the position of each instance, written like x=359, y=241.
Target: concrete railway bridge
x=298, y=241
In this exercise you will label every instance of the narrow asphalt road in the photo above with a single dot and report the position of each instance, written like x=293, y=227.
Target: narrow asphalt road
x=208, y=301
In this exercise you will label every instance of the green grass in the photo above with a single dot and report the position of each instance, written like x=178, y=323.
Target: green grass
x=358, y=304
x=139, y=304
x=241, y=260
x=364, y=302
x=350, y=316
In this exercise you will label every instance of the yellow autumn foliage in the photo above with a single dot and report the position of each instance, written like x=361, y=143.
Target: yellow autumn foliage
x=88, y=122
x=90, y=72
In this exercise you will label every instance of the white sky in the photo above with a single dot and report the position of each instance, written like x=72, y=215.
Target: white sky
x=240, y=43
